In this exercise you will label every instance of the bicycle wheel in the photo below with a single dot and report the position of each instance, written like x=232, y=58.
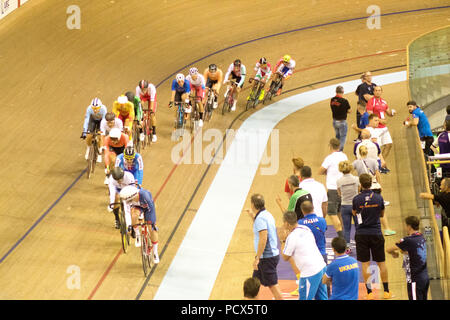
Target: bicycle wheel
x=125, y=237
x=226, y=104
x=250, y=100
x=91, y=164
x=136, y=138
x=145, y=253
x=258, y=93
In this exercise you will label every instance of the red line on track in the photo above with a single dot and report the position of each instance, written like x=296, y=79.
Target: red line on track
x=111, y=265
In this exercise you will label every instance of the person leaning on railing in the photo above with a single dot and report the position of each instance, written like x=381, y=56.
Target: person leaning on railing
x=443, y=142
x=420, y=120
x=443, y=199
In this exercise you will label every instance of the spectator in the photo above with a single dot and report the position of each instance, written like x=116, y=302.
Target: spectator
x=317, y=191
x=370, y=166
x=379, y=106
x=317, y=225
x=365, y=92
x=420, y=120
x=297, y=165
x=376, y=135
x=297, y=241
x=251, y=288
x=339, y=109
x=330, y=168
x=447, y=117
x=414, y=248
x=443, y=199
x=443, y=143
x=266, y=245
x=343, y=273
x=348, y=188
x=297, y=197
x=361, y=104
x=373, y=150
x=368, y=207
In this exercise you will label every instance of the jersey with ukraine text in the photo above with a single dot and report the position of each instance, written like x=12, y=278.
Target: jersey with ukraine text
x=344, y=272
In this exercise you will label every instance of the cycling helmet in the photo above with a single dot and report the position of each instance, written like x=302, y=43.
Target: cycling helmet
x=180, y=77
x=128, y=193
x=115, y=133
x=286, y=58
x=193, y=71
x=237, y=63
x=96, y=102
x=143, y=84
x=122, y=99
x=263, y=61
x=110, y=116
x=212, y=67
x=117, y=173
x=129, y=153
x=130, y=96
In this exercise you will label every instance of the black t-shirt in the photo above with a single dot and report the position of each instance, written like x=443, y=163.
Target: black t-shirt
x=415, y=262
x=443, y=198
x=363, y=89
x=339, y=107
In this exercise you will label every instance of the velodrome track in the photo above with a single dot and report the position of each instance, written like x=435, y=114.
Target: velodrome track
x=53, y=218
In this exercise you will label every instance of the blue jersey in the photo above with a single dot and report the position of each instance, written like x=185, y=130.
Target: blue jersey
x=146, y=205
x=364, y=121
x=423, y=126
x=318, y=226
x=186, y=88
x=90, y=112
x=415, y=261
x=344, y=274
x=136, y=168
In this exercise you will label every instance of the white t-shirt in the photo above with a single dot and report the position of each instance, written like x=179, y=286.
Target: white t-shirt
x=105, y=129
x=301, y=245
x=200, y=82
x=318, y=194
x=115, y=187
x=331, y=163
x=151, y=92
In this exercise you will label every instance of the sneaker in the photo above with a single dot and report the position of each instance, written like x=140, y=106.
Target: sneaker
x=215, y=104
x=155, y=257
x=86, y=156
x=389, y=232
x=294, y=293
x=99, y=158
x=154, y=138
x=133, y=233
x=200, y=123
x=137, y=242
x=386, y=203
x=278, y=92
x=233, y=108
x=106, y=180
x=117, y=224
x=142, y=137
x=261, y=96
x=370, y=296
x=388, y=295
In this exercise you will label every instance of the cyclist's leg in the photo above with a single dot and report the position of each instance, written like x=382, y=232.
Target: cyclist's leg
x=216, y=89
x=150, y=215
x=200, y=95
x=152, y=121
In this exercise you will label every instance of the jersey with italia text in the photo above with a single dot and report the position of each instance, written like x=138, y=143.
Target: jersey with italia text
x=318, y=226
x=415, y=259
x=136, y=168
x=344, y=274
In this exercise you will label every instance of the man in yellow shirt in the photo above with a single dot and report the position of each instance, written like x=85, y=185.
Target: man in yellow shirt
x=124, y=110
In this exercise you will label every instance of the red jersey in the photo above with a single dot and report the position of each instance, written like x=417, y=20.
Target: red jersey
x=378, y=106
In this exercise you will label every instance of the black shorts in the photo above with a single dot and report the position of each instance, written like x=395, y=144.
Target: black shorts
x=267, y=271
x=94, y=124
x=334, y=202
x=116, y=150
x=210, y=83
x=178, y=95
x=237, y=79
x=370, y=244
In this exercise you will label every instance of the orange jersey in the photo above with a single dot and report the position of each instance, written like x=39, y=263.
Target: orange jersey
x=121, y=143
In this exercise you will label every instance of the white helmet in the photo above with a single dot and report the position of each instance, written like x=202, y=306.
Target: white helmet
x=96, y=102
x=180, y=77
x=128, y=193
x=193, y=71
x=122, y=99
x=115, y=133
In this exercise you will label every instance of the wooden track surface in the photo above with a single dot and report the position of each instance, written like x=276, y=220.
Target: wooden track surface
x=54, y=218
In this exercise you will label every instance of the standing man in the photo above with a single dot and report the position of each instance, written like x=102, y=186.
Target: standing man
x=379, y=106
x=368, y=207
x=266, y=245
x=297, y=198
x=342, y=273
x=317, y=191
x=420, y=120
x=339, y=109
x=297, y=241
x=330, y=168
x=414, y=248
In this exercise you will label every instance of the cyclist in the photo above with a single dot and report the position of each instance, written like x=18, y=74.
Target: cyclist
x=115, y=143
x=147, y=93
x=137, y=109
x=124, y=110
x=284, y=67
x=263, y=71
x=131, y=161
x=95, y=112
x=213, y=77
x=138, y=202
x=180, y=92
x=107, y=124
x=237, y=71
x=197, y=83
x=117, y=181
